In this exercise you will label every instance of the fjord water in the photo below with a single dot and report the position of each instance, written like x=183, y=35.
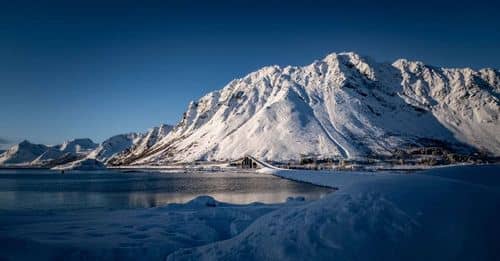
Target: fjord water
x=51, y=190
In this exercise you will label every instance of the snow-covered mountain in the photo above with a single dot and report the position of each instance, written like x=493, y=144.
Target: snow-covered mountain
x=27, y=154
x=342, y=106
x=115, y=145
x=22, y=153
x=68, y=151
x=78, y=146
x=37, y=155
x=141, y=145
x=82, y=164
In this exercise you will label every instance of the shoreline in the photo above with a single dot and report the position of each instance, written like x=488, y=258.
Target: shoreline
x=215, y=166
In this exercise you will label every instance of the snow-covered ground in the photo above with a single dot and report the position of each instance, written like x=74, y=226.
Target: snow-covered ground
x=333, y=179
x=145, y=234
x=439, y=214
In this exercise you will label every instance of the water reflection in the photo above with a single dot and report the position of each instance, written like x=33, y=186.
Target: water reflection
x=34, y=189
x=159, y=199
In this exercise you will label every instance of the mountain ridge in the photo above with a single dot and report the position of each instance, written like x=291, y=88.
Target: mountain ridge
x=344, y=105
x=27, y=154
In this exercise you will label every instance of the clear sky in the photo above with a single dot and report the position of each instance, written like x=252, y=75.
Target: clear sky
x=98, y=68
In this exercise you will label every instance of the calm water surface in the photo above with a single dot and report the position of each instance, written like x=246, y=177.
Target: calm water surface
x=45, y=189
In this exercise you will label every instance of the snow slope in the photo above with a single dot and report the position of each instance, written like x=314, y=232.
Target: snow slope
x=82, y=164
x=115, y=145
x=427, y=216
x=141, y=145
x=70, y=150
x=343, y=106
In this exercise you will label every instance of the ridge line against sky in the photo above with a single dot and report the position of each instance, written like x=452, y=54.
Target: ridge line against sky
x=91, y=69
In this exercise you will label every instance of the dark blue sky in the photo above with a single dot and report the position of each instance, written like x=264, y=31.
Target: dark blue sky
x=93, y=70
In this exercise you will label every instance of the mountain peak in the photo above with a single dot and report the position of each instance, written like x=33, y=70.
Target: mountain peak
x=344, y=105
x=24, y=143
x=346, y=56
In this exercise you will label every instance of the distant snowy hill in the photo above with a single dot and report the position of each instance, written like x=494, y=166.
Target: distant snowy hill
x=68, y=151
x=77, y=151
x=128, y=146
x=22, y=153
x=82, y=164
x=343, y=106
x=115, y=145
x=141, y=144
x=28, y=154
x=78, y=146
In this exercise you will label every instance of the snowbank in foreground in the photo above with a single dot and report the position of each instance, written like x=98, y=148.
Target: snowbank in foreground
x=377, y=217
x=137, y=234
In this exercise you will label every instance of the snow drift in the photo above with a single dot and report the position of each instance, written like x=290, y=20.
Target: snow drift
x=387, y=217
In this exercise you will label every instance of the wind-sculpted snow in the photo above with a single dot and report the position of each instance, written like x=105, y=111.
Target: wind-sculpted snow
x=348, y=228
x=343, y=106
x=425, y=216
x=136, y=234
